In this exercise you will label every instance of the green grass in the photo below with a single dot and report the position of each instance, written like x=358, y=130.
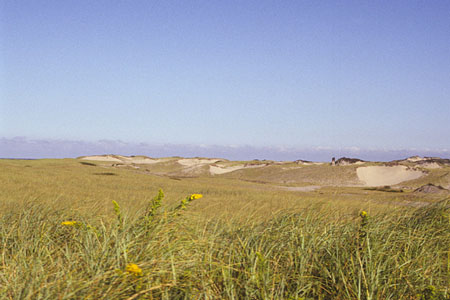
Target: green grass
x=242, y=240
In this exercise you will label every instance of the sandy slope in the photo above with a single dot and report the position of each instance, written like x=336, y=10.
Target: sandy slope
x=430, y=165
x=189, y=162
x=306, y=173
x=380, y=175
x=102, y=158
x=222, y=170
x=123, y=159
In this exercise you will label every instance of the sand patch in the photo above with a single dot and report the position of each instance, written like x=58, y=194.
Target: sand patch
x=146, y=160
x=215, y=170
x=380, y=175
x=415, y=159
x=110, y=158
x=308, y=188
x=123, y=159
x=248, y=166
x=430, y=165
x=190, y=162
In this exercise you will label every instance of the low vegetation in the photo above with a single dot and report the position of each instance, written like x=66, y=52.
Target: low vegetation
x=162, y=247
x=385, y=188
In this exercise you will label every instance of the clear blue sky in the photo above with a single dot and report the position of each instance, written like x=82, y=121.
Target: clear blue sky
x=261, y=73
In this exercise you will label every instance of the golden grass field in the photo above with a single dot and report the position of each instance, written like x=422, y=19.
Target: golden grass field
x=248, y=237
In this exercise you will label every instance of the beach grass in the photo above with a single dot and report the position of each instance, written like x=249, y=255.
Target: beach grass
x=68, y=233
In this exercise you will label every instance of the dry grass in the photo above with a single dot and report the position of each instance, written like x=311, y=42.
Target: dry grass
x=242, y=240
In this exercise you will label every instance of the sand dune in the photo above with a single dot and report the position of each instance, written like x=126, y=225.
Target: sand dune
x=123, y=159
x=189, y=162
x=222, y=170
x=110, y=158
x=380, y=175
x=430, y=165
x=276, y=172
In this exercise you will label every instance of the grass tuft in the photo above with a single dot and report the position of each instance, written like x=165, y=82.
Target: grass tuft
x=51, y=253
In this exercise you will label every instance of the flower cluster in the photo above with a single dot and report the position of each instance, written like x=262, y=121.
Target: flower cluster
x=133, y=269
x=195, y=196
x=71, y=223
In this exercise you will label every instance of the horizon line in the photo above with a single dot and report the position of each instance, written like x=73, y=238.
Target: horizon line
x=23, y=147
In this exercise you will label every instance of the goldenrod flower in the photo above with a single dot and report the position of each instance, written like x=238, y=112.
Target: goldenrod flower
x=195, y=196
x=363, y=214
x=134, y=269
x=70, y=223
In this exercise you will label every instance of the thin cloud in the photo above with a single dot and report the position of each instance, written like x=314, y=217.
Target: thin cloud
x=22, y=147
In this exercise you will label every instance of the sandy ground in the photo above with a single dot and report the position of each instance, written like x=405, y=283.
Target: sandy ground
x=308, y=188
x=140, y=160
x=102, y=158
x=304, y=163
x=431, y=165
x=414, y=158
x=190, y=162
x=215, y=170
x=380, y=176
x=123, y=159
x=368, y=176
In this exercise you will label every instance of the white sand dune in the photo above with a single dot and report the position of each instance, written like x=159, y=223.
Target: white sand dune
x=380, y=175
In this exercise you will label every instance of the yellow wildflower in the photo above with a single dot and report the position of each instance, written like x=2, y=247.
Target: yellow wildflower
x=70, y=223
x=134, y=269
x=195, y=196
x=363, y=214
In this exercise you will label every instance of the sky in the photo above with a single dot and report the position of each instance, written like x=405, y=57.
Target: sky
x=339, y=75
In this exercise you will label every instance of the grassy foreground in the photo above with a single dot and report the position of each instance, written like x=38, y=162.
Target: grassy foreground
x=161, y=253
x=62, y=237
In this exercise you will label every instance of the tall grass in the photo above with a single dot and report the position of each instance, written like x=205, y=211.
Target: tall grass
x=313, y=254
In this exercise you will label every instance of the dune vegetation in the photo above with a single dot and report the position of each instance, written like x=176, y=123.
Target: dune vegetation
x=84, y=230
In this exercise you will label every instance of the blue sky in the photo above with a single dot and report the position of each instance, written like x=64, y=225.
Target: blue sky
x=335, y=74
